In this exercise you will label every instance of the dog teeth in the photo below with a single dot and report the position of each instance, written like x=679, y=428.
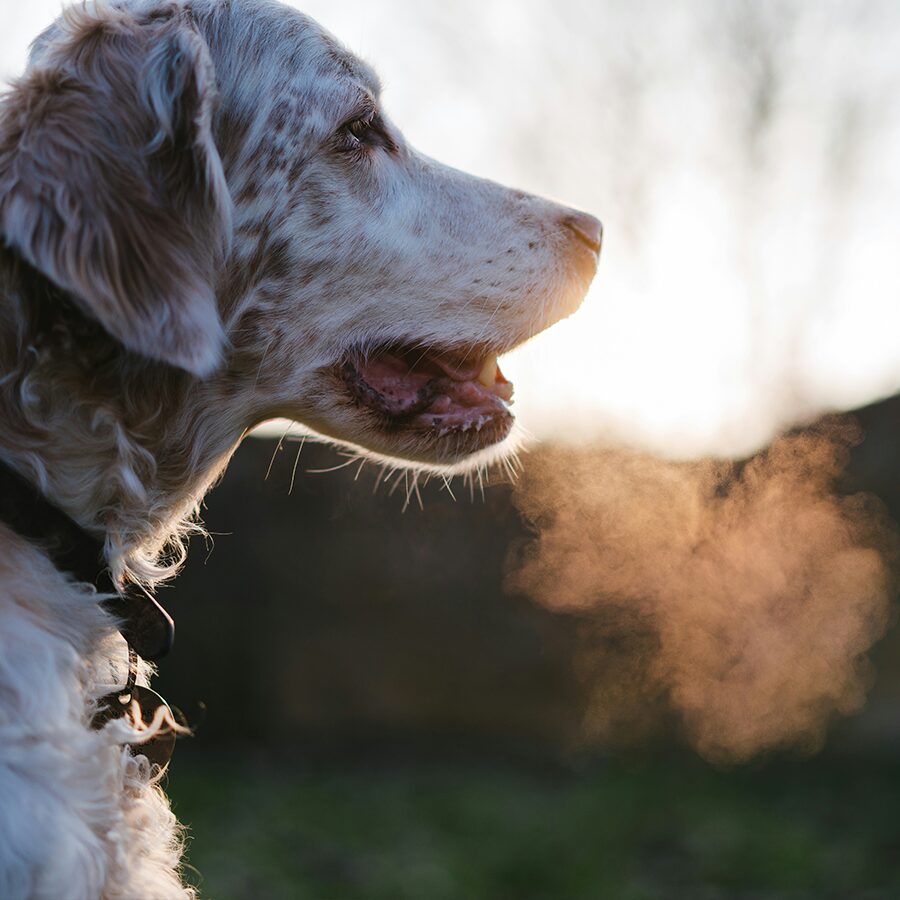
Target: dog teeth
x=463, y=427
x=488, y=374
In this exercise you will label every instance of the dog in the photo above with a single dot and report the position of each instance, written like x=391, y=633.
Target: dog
x=208, y=221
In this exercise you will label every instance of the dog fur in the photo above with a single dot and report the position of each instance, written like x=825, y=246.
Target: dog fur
x=203, y=209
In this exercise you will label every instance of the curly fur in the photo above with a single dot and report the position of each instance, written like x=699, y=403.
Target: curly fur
x=188, y=252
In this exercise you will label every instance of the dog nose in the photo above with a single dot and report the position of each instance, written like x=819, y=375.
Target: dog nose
x=586, y=228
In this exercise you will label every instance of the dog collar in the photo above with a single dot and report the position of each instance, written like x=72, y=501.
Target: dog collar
x=145, y=625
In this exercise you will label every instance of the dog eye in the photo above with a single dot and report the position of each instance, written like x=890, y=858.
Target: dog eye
x=361, y=128
x=365, y=132
x=357, y=134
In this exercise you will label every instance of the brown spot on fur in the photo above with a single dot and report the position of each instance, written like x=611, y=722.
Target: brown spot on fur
x=230, y=129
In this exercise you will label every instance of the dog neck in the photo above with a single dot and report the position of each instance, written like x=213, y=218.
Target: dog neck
x=144, y=624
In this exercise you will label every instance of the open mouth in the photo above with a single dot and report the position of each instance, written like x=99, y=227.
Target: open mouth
x=441, y=394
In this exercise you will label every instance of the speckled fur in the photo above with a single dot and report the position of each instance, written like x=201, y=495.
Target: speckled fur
x=186, y=253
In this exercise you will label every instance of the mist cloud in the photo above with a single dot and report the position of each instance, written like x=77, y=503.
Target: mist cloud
x=738, y=599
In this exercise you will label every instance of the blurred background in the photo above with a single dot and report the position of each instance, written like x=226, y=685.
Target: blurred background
x=376, y=717
x=436, y=700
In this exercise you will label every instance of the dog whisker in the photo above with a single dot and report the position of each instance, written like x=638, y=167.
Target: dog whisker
x=276, y=451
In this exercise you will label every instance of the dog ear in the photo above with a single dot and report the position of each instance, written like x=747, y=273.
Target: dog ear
x=111, y=185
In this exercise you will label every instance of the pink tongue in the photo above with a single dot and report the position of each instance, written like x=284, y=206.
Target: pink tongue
x=415, y=386
x=393, y=378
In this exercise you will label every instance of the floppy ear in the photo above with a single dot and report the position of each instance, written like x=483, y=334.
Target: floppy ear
x=111, y=185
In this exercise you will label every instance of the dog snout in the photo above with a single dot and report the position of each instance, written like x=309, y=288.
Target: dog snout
x=586, y=229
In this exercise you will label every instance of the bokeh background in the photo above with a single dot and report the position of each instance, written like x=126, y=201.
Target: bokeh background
x=381, y=719
x=381, y=708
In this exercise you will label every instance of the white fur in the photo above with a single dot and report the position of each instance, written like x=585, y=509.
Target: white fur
x=80, y=816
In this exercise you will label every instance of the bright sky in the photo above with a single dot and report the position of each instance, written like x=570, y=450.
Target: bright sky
x=743, y=158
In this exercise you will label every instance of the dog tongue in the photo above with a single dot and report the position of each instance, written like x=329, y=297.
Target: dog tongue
x=413, y=382
x=386, y=383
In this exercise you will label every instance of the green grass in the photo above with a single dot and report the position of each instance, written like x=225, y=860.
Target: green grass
x=658, y=831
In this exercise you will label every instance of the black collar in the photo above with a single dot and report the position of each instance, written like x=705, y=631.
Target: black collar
x=146, y=626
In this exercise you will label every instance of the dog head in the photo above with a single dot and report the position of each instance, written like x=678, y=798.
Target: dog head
x=218, y=188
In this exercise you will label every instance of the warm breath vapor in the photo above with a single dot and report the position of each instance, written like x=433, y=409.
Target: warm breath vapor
x=742, y=598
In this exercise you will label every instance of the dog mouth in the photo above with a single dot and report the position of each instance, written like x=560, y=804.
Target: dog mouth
x=438, y=393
